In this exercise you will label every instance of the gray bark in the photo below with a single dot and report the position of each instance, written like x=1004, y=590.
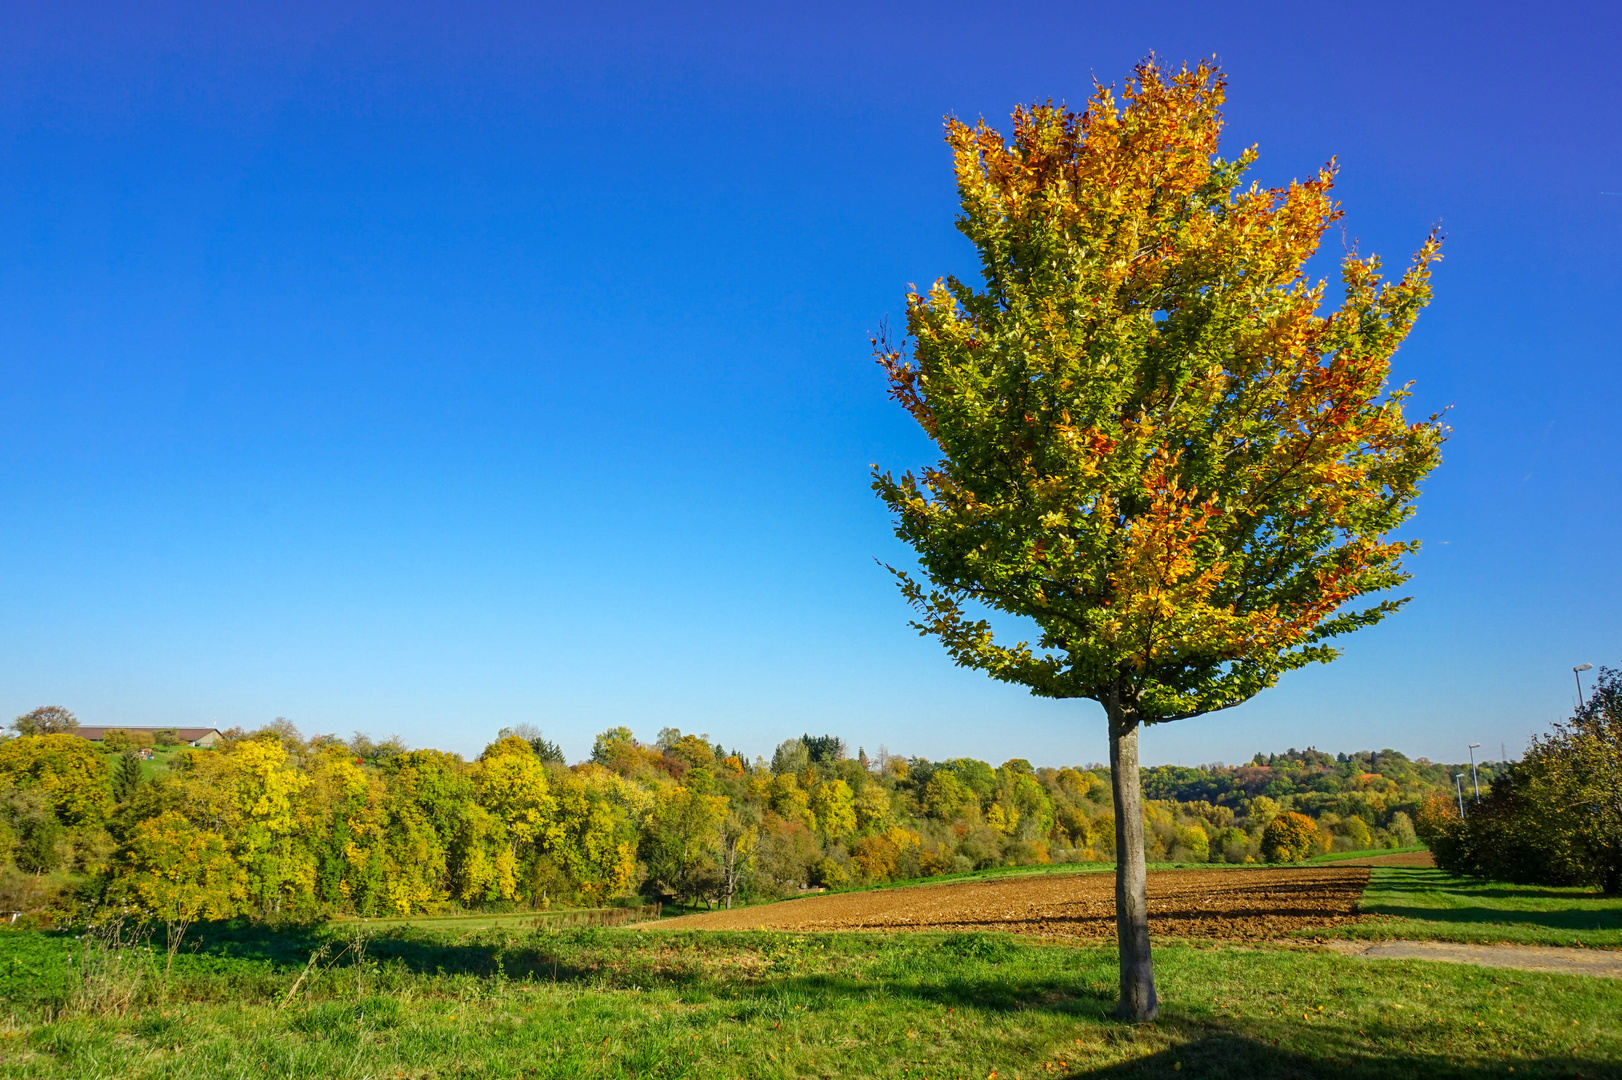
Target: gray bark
x=1138, y=1002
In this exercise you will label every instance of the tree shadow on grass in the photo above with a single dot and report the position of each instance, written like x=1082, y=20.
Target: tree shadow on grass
x=1426, y=880
x=1571, y=919
x=1203, y=1046
x=972, y=973
x=1228, y=1055
x=565, y=956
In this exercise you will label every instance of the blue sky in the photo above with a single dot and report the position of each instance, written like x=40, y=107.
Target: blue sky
x=431, y=368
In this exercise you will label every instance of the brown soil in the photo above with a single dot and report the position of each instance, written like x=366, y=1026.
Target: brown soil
x=1233, y=904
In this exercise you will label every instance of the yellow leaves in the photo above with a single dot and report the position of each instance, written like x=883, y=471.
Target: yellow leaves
x=1163, y=589
x=872, y=805
x=249, y=784
x=176, y=871
x=903, y=839
x=514, y=788
x=1004, y=819
x=834, y=807
x=64, y=768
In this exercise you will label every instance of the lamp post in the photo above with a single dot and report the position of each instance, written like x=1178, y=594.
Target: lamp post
x=1577, y=673
x=1475, y=777
x=1458, y=786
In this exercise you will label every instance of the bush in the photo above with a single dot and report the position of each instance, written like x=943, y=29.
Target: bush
x=1354, y=834
x=1507, y=836
x=1289, y=837
x=1232, y=845
x=829, y=874
x=1193, y=845
x=1026, y=853
x=120, y=741
x=1553, y=819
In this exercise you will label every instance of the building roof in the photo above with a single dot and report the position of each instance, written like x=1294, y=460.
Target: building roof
x=184, y=734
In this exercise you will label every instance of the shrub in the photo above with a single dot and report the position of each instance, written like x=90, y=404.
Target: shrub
x=1193, y=844
x=1026, y=853
x=1354, y=833
x=1232, y=845
x=120, y=741
x=1290, y=837
x=829, y=874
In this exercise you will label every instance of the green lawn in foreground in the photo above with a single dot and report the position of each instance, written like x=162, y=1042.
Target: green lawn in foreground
x=1428, y=904
x=618, y=1003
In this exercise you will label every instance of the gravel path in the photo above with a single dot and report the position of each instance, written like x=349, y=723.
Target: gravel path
x=1603, y=962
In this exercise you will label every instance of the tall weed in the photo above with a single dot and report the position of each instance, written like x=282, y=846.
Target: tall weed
x=110, y=967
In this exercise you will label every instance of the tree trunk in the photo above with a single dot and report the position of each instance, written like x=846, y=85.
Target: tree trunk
x=1138, y=1003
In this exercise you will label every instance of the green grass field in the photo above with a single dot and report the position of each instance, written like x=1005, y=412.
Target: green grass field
x=1342, y=856
x=1428, y=904
x=471, y=997
x=618, y=1003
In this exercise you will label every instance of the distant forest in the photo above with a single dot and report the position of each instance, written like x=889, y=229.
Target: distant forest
x=273, y=824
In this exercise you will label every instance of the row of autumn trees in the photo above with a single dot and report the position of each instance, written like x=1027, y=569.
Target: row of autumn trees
x=273, y=825
x=1554, y=817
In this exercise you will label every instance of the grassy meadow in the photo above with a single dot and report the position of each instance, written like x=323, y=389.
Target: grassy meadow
x=415, y=1002
x=1427, y=904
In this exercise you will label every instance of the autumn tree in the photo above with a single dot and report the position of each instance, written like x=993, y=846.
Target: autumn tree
x=46, y=720
x=1156, y=443
x=1288, y=838
x=172, y=869
x=1574, y=775
x=65, y=769
x=681, y=841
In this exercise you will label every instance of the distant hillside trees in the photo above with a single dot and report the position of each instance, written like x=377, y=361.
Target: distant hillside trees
x=273, y=825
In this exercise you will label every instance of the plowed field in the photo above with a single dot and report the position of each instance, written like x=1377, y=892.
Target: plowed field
x=1234, y=904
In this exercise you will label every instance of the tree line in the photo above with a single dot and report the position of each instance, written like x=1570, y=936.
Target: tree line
x=271, y=824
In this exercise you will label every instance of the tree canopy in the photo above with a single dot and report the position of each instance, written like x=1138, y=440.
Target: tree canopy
x=1155, y=442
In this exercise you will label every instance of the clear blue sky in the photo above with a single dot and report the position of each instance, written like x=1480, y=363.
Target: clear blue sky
x=430, y=368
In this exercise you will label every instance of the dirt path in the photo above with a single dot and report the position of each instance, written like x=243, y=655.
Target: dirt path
x=1245, y=905
x=1602, y=962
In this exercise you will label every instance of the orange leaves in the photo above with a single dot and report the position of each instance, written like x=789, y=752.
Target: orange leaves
x=1163, y=585
x=903, y=380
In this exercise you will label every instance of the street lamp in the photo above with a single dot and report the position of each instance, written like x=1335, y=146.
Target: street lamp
x=1475, y=778
x=1459, y=787
x=1577, y=673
